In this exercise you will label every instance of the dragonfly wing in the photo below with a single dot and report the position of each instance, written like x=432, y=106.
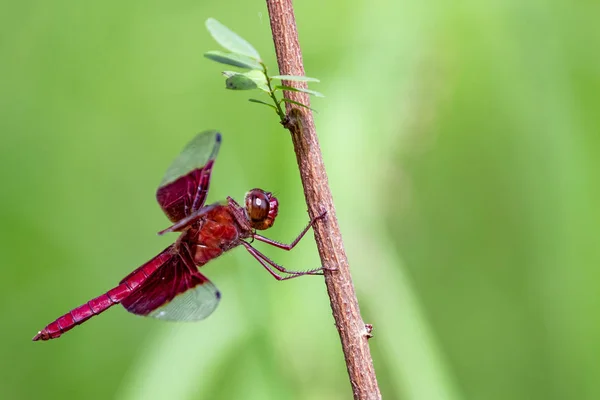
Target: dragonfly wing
x=182, y=223
x=185, y=184
x=174, y=293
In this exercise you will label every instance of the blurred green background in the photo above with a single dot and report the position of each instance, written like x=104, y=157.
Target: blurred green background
x=461, y=142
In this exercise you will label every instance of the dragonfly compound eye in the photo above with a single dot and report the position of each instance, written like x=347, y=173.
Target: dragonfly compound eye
x=261, y=208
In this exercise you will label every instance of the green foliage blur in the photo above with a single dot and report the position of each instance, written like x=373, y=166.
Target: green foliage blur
x=461, y=142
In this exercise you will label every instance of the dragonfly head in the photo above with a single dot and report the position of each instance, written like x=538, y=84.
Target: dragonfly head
x=261, y=208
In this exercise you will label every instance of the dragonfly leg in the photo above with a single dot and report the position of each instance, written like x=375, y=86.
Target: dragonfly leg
x=290, y=246
x=268, y=264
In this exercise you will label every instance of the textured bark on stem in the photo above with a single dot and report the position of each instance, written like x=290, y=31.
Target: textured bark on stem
x=353, y=332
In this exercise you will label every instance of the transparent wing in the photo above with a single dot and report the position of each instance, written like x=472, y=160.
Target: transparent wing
x=174, y=292
x=184, y=187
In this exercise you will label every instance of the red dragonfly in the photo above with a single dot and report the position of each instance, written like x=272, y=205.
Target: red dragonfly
x=169, y=287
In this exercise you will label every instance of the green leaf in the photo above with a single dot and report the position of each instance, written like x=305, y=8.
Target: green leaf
x=230, y=40
x=262, y=102
x=240, y=82
x=237, y=60
x=259, y=78
x=293, y=89
x=295, y=78
x=298, y=104
x=245, y=80
x=229, y=74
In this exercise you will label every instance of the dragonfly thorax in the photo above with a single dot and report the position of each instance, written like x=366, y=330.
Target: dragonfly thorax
x=261, y=208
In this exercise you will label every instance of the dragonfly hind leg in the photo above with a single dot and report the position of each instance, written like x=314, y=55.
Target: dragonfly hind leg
x=268, y=264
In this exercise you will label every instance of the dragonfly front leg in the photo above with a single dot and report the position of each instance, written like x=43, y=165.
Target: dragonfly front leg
x=268, y=264
x=290, y=246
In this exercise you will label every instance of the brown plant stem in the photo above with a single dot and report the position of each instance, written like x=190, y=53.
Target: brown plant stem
x=353, y=332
